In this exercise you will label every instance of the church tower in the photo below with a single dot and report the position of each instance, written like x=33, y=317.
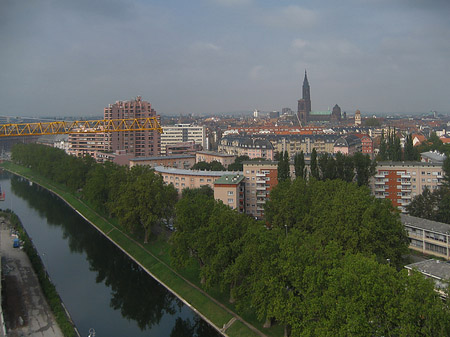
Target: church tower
x=304, y=104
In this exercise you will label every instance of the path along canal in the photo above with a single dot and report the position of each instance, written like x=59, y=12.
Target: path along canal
x=99, y=285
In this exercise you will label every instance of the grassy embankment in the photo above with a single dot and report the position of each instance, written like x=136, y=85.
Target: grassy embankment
x=155, y=258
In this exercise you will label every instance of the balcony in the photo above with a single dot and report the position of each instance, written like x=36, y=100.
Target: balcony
x=261, y=188
x=380, y=189
x=261, y=182
x=380, y=176
x=406, y=182
x=379, y=182
x=406, y=176
x=260, y=174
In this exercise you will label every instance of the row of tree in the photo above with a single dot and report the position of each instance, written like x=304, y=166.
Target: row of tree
x=318, y=265
x=358, y=167
x=138, y=196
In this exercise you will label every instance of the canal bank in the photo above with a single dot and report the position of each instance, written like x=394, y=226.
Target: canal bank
x=207, y=307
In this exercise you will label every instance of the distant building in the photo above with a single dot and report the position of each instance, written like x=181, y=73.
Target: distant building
x=209, y=156
x=348, y=145
x=433, y=157
x=260, y=178
x=251, y=147
x=402, y=181
x=357, y=118
x=175, y=161
x=181, y=133
x=306, y=115
x=230, y=188
x=294, y=144
x=183, y=148
x=83, y=143
x=138, y=143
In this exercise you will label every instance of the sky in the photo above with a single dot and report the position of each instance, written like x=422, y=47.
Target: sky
x=73, y=58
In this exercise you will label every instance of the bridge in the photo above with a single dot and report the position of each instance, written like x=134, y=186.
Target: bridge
x=88, y=126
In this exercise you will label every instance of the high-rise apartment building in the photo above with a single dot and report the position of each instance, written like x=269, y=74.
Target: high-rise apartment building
x=402, y=181
x=260, y=178
x=181, y=133
x=138, y=143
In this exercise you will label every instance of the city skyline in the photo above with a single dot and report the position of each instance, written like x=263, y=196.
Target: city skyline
x=61, y=58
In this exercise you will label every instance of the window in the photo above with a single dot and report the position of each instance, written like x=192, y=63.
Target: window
x=202, y=180
x=230, y=193
x=230, y=200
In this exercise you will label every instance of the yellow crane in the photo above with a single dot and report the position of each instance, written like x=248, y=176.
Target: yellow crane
x=89, y=126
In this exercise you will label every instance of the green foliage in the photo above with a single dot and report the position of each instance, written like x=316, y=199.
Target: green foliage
x=410, y=152
x=143, y=200
x=372, y=122
x=314, y=168
x=283, y=167
x=300, y=165
x=212, y=166
x=237, y=165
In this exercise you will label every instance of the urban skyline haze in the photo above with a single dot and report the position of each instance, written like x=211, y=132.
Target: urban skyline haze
x=73, y=58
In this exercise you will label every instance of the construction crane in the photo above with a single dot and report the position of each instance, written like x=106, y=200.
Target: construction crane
x=90, y=126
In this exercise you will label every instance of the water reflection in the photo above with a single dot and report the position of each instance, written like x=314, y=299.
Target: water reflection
x=134, y=293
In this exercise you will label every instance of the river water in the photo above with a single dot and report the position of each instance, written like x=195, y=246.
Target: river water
x=100, y=286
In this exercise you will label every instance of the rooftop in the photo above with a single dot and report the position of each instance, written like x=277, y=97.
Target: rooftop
x=218, y=154
x=171, y=170
x=426, y=224
x=163, y=157
x=434, y=268
x=230, y=179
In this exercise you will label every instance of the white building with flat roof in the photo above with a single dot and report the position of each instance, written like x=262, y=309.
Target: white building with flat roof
x=181, y=133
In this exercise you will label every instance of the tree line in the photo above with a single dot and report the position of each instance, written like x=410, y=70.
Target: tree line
x=324, y=166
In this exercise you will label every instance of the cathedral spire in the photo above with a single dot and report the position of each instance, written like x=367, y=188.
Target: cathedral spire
x=305, y=80
x=306, y=88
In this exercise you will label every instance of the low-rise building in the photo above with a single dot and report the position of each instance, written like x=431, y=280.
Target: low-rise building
x=251, y=147
x=402, y=181
x=230, y=188
x=180, y=161
x=433, y=157
x=348, y=145
x=209, y=156
x=182, y=179
x=427, y=236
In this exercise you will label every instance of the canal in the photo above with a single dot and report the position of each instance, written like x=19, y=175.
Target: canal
x=100, y=286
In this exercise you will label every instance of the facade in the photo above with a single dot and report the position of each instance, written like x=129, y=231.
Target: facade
x=138, y=143
x=402, y=181
x=304, y=113
x=177, y=161
x=209, y=156
x=260, y=178
x=182, y=179
x=357, y=118
x=181, y=133
x=230, y=188
x=82, y=143
x=296, y=143
x=348, y=145
x=427, y=236
x=183, y=148
x=251, y=147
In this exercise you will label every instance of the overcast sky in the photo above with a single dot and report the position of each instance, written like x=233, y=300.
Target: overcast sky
x=74, y=57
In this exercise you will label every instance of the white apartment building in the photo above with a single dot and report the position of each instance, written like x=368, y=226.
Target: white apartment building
x=180, y=133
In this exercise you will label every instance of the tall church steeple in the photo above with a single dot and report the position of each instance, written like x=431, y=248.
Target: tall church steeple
x=306, y=90
x=304, y=104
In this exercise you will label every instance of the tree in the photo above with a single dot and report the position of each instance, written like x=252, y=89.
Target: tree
x=382, y=155
x=237, y=165
x=300, y=165
x=283, y=167
x=327, y=166
x=192, y=213
x=314, y=166
x=212, y=166
x=143, y=200
x=364, y=167
x=410, y=153
x=423, y=205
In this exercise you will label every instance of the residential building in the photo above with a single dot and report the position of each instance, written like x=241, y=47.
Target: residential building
x=348, y=145
x=82, y=143
x=176, y=161
x=230, y=188
x=180, y=133
x=427, y=236
x=433, y=157
x=251, y=147
x=322, y=143
x=209, y=156
x=138, y=143
x=402, y=181
x=182, y=179
x=260, y=178
x=183, y=148
x=366, y=144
